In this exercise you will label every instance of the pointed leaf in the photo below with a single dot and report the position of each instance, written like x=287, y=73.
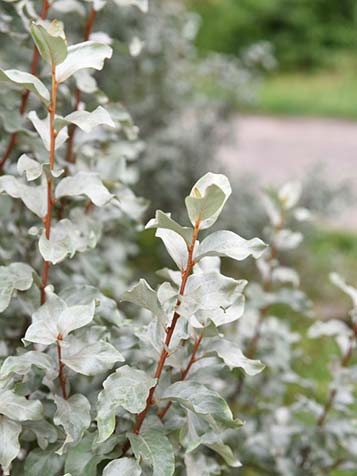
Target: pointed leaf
x=34, y=197
x=175, y=246
x=164, y=221
x=85, y=120
x=88, y=54
x=27, y=81
x=15, y=276
x=51, y=42
x=42, y=127
x=10, y=446
x=84, y=183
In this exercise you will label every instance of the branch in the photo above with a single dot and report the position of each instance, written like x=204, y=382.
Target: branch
x=25, y=94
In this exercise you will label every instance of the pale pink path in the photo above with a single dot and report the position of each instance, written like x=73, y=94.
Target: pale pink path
x=280, y=149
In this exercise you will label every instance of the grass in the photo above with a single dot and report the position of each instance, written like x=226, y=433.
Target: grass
x=327, y=93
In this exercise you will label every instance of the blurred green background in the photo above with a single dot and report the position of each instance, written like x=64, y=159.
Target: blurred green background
x=314, y=42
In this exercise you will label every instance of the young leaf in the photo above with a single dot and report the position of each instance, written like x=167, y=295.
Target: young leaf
x=143, y=295
x=51, y=42
x=202, y=401
x=55, y=319
x=27, y=81
x=128, y=388
x=175, y=246
x=10, y=446
x=164, y=221
x=84, y=183
x=155, y=448
x=15, y=276
x=207, y=199
x=18, y=408
x=88, y=54
x=73, y=415
x=122, y=467
x=228, y=244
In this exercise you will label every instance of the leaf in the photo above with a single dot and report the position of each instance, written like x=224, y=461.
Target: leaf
x=143, y=295
x=82, y=460
x=22, y=364
x=50, y=42
x=164, y=221
x=155, y=448
x=55, y=318
x=203, y=402
x=289, y=194
x=30, y=167
x=18, y=408
x=143, y=5
x=27, y=81
x=122, y=467
x=210, y=290
x=175, y=246
x=287, y=240
x=10, y=446
x=90, y=359
x=45, y=432
x=233, y=357
x=43, y=462
x=85, y=120
x=228, y=244
x=16, y=276
x=42, y=127
x=222, y=315
x=73, y=415
x=84, y=183
x=65, y=240
x=34, y=197
x=128, y=388
x=207, y=199
x=88, y=54
x=332, y=327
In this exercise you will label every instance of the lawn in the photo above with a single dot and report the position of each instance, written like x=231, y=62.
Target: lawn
x=331, y=92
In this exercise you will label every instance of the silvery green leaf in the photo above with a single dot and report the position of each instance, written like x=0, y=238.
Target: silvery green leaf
x=289, y=194
x=50, y=41
x=155, y=448
x=88, y=54
x=85, y=81
x=203, y=402
x=164, y=221
x=228, y=244
x=175, y=246
x=30, y=167
x=85, y=120
x=207, y=199
x=15, y=276
x=210, y=290
x=143, y=5
x=122, y=467
x=27, y=81
x=10, y=446
x=287, y=240
x=90, y=358
x=302, y=214
x=222, y=315
x=45, y=432
x=55, y=318
x=19, y=408
x=332, y=327
x=43, y=462
x=65, y=240
x=338, y=281
x=84, y=183
x=34, y=197
x=22, y=364
x=143, y=295
x=42, y=127
x=68, y=6
x=134, y=207
x=128, y=388
x=73, y=415
x=233, y=357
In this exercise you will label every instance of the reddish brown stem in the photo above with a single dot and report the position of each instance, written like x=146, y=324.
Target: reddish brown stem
x=61, y=375
x=25, y=94
x=184, y=374
x=50, y=199
x=169, y=332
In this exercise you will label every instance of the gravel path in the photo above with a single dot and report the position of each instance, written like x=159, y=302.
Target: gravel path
x=279, y=149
